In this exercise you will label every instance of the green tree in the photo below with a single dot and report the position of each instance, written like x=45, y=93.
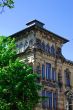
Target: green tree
x=7, y=3
x=18, y=87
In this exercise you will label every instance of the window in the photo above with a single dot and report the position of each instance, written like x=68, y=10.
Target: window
x=58, y=51
x=17, y=48
x=21, y=47
x=47, y=102
x=31, y=42
x=52, y=50
x=38, y=69
x=26, y=43
x=67, y=77
x=43, y=46
x=44, y=100
x=43, y=71
x=49, y=99
x=53, y=74
x=47, y=48
x=38, y=43
x=55, y=101
x=70, y=103
x=48, y=71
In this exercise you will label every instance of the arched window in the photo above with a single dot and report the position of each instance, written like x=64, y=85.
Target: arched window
x=52, y=50
x=47, y=48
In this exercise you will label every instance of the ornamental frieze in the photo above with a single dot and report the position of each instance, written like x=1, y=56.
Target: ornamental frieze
x=49, y=84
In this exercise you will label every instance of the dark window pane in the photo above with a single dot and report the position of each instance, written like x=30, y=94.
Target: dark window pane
x=43, y=46
x=68, y=82
x=21, y=45
x=38, y=43
x=17, y=46
x=67, y=77
x=48, y=71
x=53, y=74
x=26, y=43
x=43, y=71
x=54, y=101
x=50, y=100
x=52, y=50
x=44, y=100
x=47, y=48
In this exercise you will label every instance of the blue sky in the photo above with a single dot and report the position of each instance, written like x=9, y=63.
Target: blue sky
x=56, y=14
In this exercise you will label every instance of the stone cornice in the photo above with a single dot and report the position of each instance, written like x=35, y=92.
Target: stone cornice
x=34, y=27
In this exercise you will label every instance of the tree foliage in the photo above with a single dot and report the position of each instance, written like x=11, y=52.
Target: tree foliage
x=7, y=3
x=18, y=87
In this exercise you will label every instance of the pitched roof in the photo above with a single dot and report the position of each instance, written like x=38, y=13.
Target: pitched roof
x=39, y=25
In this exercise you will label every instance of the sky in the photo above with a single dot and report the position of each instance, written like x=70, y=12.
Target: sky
x=57, y=15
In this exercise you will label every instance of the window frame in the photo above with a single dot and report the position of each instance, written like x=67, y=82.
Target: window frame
x=48, y=71
x=43, y=71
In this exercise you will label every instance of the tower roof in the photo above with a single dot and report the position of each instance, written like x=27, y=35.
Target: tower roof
x=35, y=22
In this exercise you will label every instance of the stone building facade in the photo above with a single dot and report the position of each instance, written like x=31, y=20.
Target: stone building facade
x=43, y=49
